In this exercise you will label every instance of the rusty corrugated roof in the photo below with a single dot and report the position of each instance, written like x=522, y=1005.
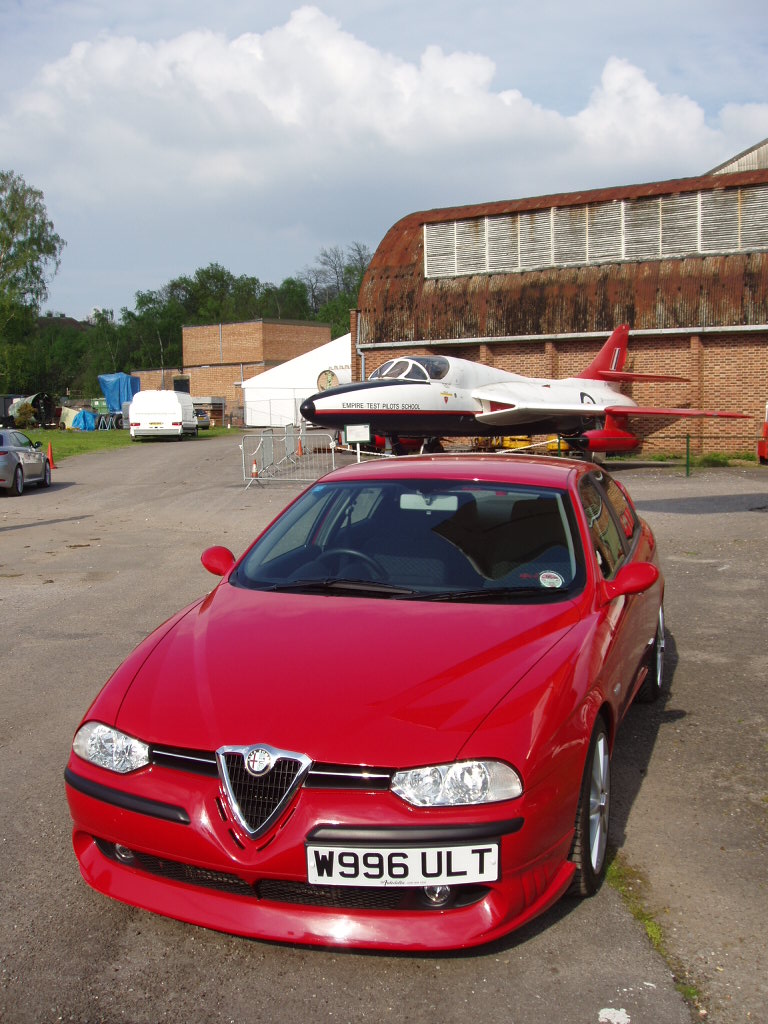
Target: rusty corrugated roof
x=396, y=302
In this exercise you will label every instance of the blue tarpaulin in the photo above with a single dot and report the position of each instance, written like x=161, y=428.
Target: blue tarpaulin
x=84, y=421
x=118, y=388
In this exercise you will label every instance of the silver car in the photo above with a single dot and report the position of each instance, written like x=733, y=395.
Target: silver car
x=22, y=461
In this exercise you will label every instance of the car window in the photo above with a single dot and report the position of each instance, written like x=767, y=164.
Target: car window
x=20, y=440
x=607, y=541
x=426, y=538
x=621, y=505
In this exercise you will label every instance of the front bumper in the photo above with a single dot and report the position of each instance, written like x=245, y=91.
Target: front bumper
x=195, y=866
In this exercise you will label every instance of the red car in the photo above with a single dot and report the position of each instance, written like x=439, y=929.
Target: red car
x=390, y=724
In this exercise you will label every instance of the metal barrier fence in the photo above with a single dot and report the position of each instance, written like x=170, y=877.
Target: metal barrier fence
x=287, y=453
x=299, y=454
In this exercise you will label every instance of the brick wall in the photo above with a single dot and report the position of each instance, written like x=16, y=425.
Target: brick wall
x=258, y=341
x=218, y=357
x=156, y=380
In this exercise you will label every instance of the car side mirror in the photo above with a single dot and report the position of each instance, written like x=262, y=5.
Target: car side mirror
x=217, y=560
x=631, y=579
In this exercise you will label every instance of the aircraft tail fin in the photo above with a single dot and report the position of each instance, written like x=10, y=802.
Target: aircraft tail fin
x=611, y=357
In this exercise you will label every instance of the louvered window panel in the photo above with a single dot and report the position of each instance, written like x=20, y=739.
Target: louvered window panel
x=754, y=217
x=679, y=225
x=470, y=246
x=502, y=244
x=715, y=221
x=570, y=229
x=439, y=250
x=642, y=229
x=720, y=221
x=535, y=240
x=604, y=232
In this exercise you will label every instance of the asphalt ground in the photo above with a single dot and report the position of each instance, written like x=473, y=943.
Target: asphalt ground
x=90, y=566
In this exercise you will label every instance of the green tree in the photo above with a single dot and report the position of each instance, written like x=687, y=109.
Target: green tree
x=336, y=313
x=288, y=301
x=151, y=333
x=30, y=250
x=333, y=283
x=59, y=350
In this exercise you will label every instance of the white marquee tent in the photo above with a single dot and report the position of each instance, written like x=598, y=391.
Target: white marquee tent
x=272, y=398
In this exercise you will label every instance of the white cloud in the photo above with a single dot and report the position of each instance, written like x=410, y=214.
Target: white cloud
x=629, y=120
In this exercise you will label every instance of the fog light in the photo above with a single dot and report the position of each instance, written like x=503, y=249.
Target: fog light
x=437, y=895
x=124, y=854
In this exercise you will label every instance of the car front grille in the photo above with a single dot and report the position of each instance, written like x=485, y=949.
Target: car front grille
x=258, y=798
x=319, y=776
x=342, y=897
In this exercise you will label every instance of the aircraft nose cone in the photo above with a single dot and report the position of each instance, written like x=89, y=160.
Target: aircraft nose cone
x=307, y=408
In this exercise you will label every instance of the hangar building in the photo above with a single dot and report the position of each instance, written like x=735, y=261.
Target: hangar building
x=535, y=286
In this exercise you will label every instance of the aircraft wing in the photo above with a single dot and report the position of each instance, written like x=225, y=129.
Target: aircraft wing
x=632, y=410
x=621, y=377
x=526, y=401
x=514, y=415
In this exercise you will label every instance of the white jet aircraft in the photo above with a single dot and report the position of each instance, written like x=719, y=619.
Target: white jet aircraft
x=433, y=396
x=441, y=396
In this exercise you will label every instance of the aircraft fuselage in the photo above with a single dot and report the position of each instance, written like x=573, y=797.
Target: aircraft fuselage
x=470, y=399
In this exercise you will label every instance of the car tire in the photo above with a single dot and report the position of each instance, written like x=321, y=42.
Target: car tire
x=46, y=481
x=651, y=688
x=590, y=839
x=17, y=487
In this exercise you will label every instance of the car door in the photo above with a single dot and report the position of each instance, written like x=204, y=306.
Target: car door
x=31, y=458
x=630, y=620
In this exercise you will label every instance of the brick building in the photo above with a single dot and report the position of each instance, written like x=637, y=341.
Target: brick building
x=218, y=357
x=535, y=286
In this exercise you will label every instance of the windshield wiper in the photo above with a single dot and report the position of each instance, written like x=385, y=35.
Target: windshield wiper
x=338, y=583
x=493, y=594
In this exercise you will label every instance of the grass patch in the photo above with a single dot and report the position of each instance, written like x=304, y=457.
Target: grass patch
x=717, y=459
x=632, y=886
x=711, y=459
x=65, y=443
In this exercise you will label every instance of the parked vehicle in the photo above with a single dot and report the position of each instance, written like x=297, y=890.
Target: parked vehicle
x=762, y=444
x=203, y=419
x=162, y=414
x=391, y=723
x=22, y=461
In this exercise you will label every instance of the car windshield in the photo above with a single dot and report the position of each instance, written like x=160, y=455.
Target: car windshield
x=421, y=539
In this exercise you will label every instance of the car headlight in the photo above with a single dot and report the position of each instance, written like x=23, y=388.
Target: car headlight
x=462, y=782
x=109, y=748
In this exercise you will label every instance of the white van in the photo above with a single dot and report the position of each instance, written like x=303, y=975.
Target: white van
x=162, y=414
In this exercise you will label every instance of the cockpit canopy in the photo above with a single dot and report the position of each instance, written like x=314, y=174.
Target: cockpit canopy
x=413, y=368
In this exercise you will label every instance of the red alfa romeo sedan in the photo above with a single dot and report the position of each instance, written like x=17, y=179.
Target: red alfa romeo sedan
x=390, y=724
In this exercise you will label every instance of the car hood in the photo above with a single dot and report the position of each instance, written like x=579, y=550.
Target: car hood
x=350, y=680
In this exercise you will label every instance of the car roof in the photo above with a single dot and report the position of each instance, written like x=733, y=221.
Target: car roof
x=538, y=470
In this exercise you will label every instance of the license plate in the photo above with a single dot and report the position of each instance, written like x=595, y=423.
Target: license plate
x=155, y=424
x=441, y=865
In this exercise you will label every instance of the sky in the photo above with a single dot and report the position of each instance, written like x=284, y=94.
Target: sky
x=167, y=135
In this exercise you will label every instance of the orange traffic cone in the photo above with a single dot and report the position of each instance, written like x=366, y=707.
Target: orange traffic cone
x=51, y=463
x=299, y=450
x=254, y=469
